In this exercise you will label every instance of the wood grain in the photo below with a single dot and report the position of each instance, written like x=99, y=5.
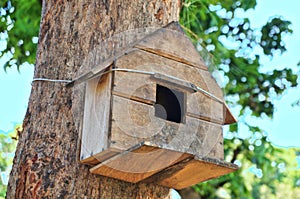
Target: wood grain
x=191, y=171
x=142, y=86
x=96, y=116
x=138, y=164
x=172, y=43
x=134, y=122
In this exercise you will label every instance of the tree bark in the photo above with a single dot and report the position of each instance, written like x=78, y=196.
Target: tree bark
x=46, y=161
x=189, y=193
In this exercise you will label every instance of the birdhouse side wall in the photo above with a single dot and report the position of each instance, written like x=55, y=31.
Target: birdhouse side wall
x=96, y=119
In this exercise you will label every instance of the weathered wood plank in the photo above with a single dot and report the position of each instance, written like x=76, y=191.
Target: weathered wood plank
x=138, y=164
x=96, y=116
x=172, y=43
x=134, y=122
x=174, y=82
x=134, y=98
x=229, y=117
x=101, y=157
x=201, y=106
x=144, y=61
x=210, y=84
x=93, y=73
x=144, y=87
x=135, y=85
x=190, y=172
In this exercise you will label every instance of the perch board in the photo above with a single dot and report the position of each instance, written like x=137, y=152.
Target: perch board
x=150, y=164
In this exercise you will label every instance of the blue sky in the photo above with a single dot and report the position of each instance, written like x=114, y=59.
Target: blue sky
x=15, y=89
x=282, y=130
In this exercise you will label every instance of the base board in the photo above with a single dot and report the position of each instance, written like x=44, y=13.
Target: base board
x=151, y=164
x=138, y=164
x=190, y=172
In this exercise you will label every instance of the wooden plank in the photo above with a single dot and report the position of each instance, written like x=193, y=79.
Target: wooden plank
x=134, y=122
x=211, y=84
x=96, y=116
x=171, y=56
x=174, y=82
x=172, y=43
x=103, y=55
x=95, y=72
x=204, y=118
x=201, y=138
x=138, y=164
x=143, y=87
x=101, y=157
x=135, y=85
x=190, y=172
x=203, y=107
x=229, y=118
x=144, y=61
x=134, y=98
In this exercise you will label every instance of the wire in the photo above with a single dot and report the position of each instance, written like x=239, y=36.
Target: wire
x=131, y=71
x=51, y=80
x=209, y=94
x=153, y=73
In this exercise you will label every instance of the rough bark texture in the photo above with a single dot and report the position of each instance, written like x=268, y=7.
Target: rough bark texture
x=46, y=162
x=189, y=193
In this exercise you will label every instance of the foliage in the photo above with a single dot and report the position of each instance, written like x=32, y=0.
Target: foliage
x=233, y=45
x=7, y=149
x=19, y=27
x=264, y=170
x=230, y=44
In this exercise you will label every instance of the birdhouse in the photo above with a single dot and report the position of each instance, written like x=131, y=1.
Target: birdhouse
x=155, y=114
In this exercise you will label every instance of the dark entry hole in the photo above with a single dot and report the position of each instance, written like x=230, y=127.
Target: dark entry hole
x=169, y=104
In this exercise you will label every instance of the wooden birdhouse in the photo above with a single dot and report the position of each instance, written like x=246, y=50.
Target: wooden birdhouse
x=155, y=114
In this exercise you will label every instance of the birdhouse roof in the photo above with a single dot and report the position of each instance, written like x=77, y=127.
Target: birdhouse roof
x=172, y=43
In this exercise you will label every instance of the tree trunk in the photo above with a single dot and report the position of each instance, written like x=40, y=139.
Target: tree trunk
x=189, y=193
x=46, y=161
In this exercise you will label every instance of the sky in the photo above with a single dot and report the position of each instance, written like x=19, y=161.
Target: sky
x=15, y=89
x=281, y=130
